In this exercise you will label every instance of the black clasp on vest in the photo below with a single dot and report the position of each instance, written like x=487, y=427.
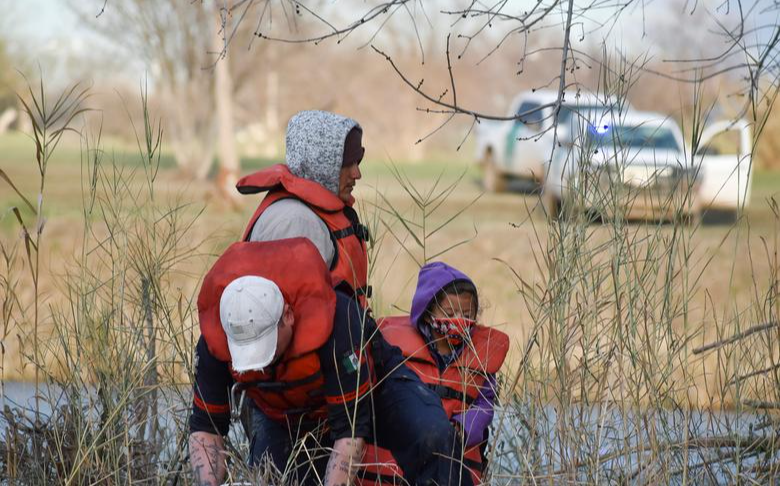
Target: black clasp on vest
x=368, y=291
x=359, y=230
x=356, y=228
x=362, y=232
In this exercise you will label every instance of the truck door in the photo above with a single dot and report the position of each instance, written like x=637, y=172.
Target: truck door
x=523, y=154
x=725, y=159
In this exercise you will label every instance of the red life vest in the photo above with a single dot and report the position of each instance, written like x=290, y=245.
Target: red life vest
x=350, y=262
x=458, y=386
x=292, y=386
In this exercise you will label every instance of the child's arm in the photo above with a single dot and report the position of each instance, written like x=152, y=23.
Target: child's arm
x=474, y=421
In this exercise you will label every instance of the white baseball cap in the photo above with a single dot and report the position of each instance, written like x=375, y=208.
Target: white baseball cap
x=250, y=309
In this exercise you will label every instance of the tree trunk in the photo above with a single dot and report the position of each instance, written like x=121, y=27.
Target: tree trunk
x=191, y=126
x=229, y=165
x=6, y=119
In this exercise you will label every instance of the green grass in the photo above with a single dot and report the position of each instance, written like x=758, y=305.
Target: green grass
x=766, y=184
x=64, y=187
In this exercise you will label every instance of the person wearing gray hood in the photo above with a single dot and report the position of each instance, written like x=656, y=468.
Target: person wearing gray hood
x=311, y=196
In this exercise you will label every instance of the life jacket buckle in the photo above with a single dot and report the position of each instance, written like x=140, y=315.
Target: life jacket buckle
x=366, y=290
x=362, y=232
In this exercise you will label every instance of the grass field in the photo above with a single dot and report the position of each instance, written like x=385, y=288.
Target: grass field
x=506, y=238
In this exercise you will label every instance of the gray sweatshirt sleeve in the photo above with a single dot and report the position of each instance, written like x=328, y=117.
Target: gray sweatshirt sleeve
x=290, y=218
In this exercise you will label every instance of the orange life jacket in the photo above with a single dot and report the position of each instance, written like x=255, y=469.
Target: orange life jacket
x=458, y=386
x=350, y=262
x=293, y=386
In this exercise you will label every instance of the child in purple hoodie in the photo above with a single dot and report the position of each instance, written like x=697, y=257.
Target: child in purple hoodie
x=445, y=309
x=454, y=356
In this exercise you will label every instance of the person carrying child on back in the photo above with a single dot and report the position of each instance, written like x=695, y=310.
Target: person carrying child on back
x=454, y=355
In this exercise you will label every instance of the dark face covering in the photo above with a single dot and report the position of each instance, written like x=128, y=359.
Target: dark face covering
x=353, y=148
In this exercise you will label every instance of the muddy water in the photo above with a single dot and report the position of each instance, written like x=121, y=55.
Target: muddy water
x=602, y=442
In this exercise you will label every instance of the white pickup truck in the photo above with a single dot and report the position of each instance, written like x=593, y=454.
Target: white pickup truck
x=638, y=163
x=522, y=147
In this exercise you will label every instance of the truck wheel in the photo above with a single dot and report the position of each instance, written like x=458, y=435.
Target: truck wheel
x=492, y=178
x=719, y=216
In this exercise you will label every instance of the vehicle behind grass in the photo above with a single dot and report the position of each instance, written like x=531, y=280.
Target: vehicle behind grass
x=637, y=166
x=520, y=148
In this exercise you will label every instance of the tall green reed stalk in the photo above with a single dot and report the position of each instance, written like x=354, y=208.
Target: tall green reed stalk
x=49, y=123
x=117, y=344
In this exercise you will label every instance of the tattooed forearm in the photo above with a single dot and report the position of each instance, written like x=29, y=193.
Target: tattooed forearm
x=207, y=458
x=341, y=465
x=201, y=478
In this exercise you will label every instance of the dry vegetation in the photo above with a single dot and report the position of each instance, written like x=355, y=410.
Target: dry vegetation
x=606, y=319
x=644, y=353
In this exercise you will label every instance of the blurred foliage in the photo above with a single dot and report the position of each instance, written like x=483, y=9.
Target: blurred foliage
x=9, y=78
x=768, y=145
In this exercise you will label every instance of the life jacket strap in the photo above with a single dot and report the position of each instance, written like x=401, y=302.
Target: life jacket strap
x=359, y=230
x=472, y=464
x=280, y=386
x=447, y=393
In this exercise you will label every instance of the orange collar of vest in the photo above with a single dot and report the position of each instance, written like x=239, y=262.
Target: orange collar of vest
x=309, y=191
x=486, y=352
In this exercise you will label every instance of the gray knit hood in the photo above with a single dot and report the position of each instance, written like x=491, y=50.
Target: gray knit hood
x=315, y=146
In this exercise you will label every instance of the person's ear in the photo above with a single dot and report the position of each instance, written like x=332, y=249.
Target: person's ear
x=288, y=318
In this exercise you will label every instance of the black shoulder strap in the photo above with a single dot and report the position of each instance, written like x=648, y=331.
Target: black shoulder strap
x=355, y=228
x=280, y=386
x=447, y=393
x=361, y=231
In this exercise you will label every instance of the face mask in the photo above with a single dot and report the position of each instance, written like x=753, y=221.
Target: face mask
x=455, y=329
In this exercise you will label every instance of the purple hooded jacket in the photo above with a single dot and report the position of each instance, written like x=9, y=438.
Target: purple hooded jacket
x=432, y=278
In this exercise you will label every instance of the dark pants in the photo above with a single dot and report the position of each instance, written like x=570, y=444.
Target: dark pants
x=408, y=420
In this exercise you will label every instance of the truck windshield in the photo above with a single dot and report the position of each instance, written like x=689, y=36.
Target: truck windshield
x=584, y=111
x=633, y=136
